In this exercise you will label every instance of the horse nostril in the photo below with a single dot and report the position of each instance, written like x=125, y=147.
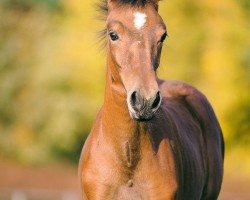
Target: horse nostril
x=136, y=101
x=156, y=101
x=133, y=98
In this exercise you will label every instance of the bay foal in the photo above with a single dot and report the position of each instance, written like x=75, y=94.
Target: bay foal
x=152, y=139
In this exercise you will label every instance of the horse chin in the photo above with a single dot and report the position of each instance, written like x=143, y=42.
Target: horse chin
x=144, y=119
x=139, y=118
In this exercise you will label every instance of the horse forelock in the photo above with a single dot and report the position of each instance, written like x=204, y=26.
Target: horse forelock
x=103, y=4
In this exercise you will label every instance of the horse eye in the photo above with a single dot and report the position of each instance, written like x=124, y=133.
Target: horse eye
x=113, y=36
x=163, y=37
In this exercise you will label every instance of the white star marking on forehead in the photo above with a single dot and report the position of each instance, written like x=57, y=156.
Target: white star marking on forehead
x=140, y=20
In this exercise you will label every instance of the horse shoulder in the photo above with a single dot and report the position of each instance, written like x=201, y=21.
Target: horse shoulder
x=86, y=151
x=202, y=110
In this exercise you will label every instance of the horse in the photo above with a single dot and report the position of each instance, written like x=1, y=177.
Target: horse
x=152, y=139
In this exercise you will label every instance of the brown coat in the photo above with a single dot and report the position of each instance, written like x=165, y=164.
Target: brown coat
x=176, y=155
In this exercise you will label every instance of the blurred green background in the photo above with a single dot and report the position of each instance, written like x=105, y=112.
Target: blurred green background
x=52, y=73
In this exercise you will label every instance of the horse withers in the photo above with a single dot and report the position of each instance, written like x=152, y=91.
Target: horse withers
x=152, y=139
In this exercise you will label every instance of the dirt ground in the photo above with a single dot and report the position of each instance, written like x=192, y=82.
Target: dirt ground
x=60, y=182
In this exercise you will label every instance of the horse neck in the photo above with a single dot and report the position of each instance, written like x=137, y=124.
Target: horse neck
x=123, y=134
x=116, y=121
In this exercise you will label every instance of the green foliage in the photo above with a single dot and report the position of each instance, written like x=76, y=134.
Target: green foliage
x=25, y=5
x=52, y=72
x=245, y=5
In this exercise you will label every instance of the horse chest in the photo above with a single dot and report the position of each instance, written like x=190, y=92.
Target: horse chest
x=138, y=175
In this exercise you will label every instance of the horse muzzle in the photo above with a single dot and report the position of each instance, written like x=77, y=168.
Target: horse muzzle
x=142, y=109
